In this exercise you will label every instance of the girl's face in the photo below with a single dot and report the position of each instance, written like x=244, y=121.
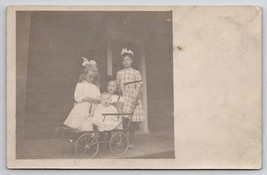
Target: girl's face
x=90, y=77
x=127, y=61
x=112, y=87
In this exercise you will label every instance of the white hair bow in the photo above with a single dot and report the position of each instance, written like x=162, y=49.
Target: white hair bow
x=125, y=50
x=91, y=62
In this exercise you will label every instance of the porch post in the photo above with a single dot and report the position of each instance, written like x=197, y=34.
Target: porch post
x=109, y=58
x=144, y=125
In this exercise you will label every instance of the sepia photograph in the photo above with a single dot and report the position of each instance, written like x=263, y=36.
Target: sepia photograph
x=94, y=84
x=113, y=87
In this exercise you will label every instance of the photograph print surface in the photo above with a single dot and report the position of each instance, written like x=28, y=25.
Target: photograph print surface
x=132, y=87
x=56, y=101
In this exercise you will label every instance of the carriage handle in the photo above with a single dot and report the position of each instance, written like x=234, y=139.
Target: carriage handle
x=114, y=114
x=129, y=117
x=132, y=82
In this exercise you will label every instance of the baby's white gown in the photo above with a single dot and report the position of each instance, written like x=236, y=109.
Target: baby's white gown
x=110, y=122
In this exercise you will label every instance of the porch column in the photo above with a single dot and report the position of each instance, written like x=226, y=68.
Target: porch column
x=144, y=125
x=109, y=58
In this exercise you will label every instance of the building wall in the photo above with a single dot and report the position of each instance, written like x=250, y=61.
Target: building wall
x=22, y=45
x=160, y=84
x=58, y=40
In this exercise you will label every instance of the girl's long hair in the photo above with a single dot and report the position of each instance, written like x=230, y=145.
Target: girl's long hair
x=86, y=70
x=83, y=75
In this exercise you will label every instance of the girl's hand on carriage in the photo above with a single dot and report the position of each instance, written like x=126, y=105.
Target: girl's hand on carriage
x=91, y=114
x=96, y=100
x=86, y=99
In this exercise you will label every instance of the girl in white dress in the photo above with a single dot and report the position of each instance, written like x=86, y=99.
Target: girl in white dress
x=87, y=96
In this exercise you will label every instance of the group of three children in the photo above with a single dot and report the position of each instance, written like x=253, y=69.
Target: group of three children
x=90, y=104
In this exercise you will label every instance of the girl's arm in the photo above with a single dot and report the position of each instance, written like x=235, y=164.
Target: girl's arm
x=89, y=99
x=138, y=85
x=97, y=99
x=78, y=94
x=92, y=100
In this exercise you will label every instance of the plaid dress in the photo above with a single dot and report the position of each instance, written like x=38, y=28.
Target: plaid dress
x=130, y=92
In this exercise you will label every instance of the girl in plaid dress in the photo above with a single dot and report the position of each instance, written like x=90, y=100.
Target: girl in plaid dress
x=129, y=81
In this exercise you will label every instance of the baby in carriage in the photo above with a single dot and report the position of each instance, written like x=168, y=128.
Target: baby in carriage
x=103, y=123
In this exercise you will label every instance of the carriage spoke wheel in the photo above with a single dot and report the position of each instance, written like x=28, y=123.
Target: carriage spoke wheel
x=86, y=146
x=67, y=142
x=118, y=143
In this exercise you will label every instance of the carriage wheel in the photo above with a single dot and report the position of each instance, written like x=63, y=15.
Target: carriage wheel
x=67, y=142
x=118, y=143
x=86, y=146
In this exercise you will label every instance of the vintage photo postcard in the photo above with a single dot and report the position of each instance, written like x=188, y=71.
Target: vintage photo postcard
x=134, y=87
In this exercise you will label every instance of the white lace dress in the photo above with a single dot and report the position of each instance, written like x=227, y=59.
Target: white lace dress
x=109, y=123
x=81, y=110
